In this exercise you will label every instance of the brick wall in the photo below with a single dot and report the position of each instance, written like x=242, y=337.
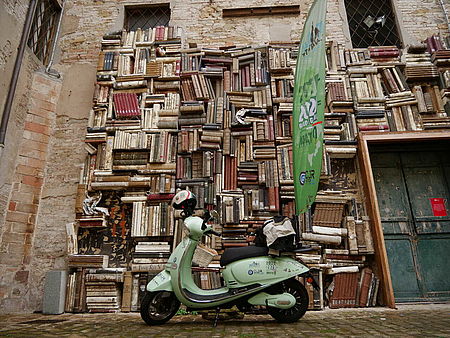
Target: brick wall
x=21, y=216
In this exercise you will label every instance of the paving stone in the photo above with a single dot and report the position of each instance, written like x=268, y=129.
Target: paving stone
x=407, y=321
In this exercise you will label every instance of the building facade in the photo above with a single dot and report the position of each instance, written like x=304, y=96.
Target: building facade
x=43, y=149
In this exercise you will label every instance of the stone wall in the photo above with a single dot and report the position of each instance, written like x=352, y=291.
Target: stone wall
x=44, y=148
x=421, y=19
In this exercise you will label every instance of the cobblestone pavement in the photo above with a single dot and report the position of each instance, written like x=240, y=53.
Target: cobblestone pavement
x=406, y=321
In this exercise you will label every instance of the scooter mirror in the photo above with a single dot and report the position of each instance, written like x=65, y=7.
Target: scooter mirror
x=214, y=214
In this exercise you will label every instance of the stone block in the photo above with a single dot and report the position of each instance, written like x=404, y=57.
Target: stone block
x=47, y=95
x=27, y=207
x=22, y=276
x=24, y=197
x=12, y=206
x=13, y=237
x=40, y=113
x=16, y=249
x=41, y=104
x=32, y=153
x=29, y=135
x=21, y=227
x=16, y=216
x=26, y=170
x=32, y=180
x=10, y=260
x=31, y=117
x=54, y=292
x=42, y=80
x=37, y=128
x=30, y=188
x=31, y=162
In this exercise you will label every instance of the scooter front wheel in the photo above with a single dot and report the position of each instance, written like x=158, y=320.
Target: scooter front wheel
x=291, y=315
x=158, y=307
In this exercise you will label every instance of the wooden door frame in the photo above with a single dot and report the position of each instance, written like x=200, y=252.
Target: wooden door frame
x=371, y=201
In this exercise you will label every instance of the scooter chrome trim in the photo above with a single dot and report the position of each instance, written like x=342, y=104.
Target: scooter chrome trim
x=234, y=293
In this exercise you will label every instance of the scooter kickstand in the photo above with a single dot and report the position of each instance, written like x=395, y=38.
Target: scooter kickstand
x=217, y=317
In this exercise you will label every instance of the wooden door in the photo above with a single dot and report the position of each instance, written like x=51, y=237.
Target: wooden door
x=413, y=196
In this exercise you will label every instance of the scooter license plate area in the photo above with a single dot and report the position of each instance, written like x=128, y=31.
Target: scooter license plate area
x=264, y=269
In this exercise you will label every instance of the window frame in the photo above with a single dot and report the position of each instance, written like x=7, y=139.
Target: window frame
x=164, y=6
x=44, y=25
x=397, y=21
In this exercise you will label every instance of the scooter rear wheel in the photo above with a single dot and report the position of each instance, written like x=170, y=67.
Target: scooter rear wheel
x=158, y=307
x=293, y=314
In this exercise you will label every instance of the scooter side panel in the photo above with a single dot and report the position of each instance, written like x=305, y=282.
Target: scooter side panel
x=264, y=270
x=161, y=282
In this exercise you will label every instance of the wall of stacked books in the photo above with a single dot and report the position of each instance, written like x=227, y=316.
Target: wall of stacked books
x=167, y=115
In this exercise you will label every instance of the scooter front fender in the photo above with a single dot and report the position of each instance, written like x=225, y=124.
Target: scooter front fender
x=161, y=282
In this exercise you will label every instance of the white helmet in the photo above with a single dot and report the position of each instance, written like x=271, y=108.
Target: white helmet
x=185, y=200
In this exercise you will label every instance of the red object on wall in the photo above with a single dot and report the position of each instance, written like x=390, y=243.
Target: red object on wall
x=438, y=206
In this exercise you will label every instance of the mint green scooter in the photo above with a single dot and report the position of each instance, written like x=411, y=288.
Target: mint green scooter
x=250, y=275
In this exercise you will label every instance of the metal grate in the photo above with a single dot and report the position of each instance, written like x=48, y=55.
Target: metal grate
x=358, y=13
x=43, y=29
x=147, y=17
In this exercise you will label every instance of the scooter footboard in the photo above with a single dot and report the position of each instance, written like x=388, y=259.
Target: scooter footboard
x=161, y=282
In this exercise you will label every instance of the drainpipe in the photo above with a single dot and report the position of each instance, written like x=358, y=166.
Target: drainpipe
x=445, y=14
x=15, y=75
x=48, y=70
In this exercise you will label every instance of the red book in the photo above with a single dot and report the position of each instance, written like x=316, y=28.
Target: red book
x=177, y=68
x=166, y=147
x=120, y=108
x=178, y=172
x=277, y=198
x=385, y=53
x=431, y=46
x=366, y=279
x=153, y=197
x=345, y=288
x=271, y=199
x=234, y=173
x=127, y=104
x=227, y=170
x=247, y=76
x=123, y=104
x=131, y=105
x=91, y=223
x=136, y=105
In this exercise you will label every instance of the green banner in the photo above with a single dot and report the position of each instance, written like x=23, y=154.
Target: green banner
x=309, y=105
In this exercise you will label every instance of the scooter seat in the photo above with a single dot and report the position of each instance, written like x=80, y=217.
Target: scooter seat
x=231, y=255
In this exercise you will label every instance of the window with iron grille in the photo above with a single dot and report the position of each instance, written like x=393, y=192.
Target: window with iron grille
x=372, y=23
x=145, y=17
x=43, y=29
